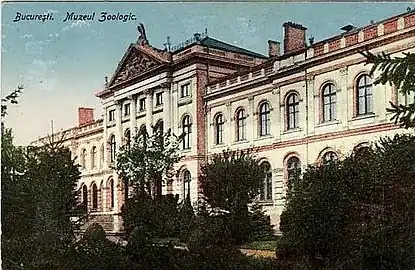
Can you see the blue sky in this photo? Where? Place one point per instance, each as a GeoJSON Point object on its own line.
{"type": "Point", "coordinates": [62, 64]}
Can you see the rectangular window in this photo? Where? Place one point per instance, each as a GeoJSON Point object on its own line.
{"type": "Point", "coordinates": [185, 90]}
{"type": "Point", "coordinates": [159, 99]}
{"type": "Point", "coordinates": [126, 109]}
{"type": "Point", "coordinates": [111, 115]}
{"type": "Point", "coordinates": [142, 104]}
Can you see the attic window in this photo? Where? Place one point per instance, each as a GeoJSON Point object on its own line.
{"type": "Point", "coordinates": [185, 90]}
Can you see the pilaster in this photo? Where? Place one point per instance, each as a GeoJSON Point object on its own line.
{"type": "Point", "coordinates": [149, 110]}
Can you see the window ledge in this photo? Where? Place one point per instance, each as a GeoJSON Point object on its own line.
{"type": "Point", "coordinates": [220, 145]}
{"type": "Point", "coordinates": [240, 142]}
{"type": "Point", "coordinates": [293, 130]}
{"type": "Point", "coordinates": [328, 123]}
{"type": "Point", "coordinates": [264, 137]}
{"type": "Point", "coordinates": [184, 100]}
{"type": "Point", "coordinates": [187, 150]}
{"type": "Point", "coordinates": [364, 116]}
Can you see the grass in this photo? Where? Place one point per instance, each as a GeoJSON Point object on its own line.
{"type": "Point", "coordinates": [261, 245]}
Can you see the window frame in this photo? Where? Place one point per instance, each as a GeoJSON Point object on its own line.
{"type": "Point", "coordinates": [264, 119]}
{"type": "Point", "coordinates": [113, 145]}
{"type": "Point", "coordinates": [367, 97]}
{"type": "Point", "coordinates": [219, 128]}
{"type": "Point", "coordinates": [241, 125]}
{"type": "Point", "coordinates": [187, 130]}
{"type": "Point", "coordinates": [111, 115]}
{"type": "Point", "coordinates": [186, 93]}
{"type": "Point", "coordinates": [142, 104]}
{"type": "Point", "coordinates": [127, 109]}
{"type": "Point", "coordinates": [159, 98]}
{"type": "Point", "coordinates": [331, 95]}
{"type": "Point", "coordinates": [186, 183]}
{"type": "Point", "coordinates": [266, 188]}
{"type": "Point", "coordinates": [292, 111]}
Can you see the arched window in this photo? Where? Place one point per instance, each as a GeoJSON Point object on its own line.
{"type": "Point", "coordinates": [240, 125]}
{"type": "Point", "coordinates": [187, 177]}
{"type": "Point", "coordinates": [330, 156]}
{"type": "Point", "coordinates": [293, 168]}
{"type": "Point", "coordinates": [112, 148]}
{"type": "Point", "coordinates": [127, 138]}
{"type": "Point", "coordinates": [142, 130]}
{"type": "Point", "coordinates": [85, 197]}
{"type": "Point", "coordinates": [266, 190]}
{"type": "Point", "coordinates": [94, 196]}
{"type": "Point", "coordinates": [364, 95]}
{"type": "Point", "coordinates": [111, 193]}
{"type": "Point", "coordinates": [93, 157]}
{"type": "Point", "coordinates": [264, 119]}
{"type": "Point", "coordinates": [158, 128]}
{"type": "Point", "coordinates": [83, 158]}
{"type": "Point", "coordinates": [362, 152]}
{"type": "Point", "coordinates": [329, 102]}
{"type": "Point", "coordinates": [219, 129]}
{"type": "Point", "coordinates": [292, 106]}
{"type": "Point", "coordinates": [187, 131]}
{"type": "Point", "coordinates": [101, 155]}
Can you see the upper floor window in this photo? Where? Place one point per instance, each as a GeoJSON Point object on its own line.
{"type": "Point", "coordinates": [329, 102]}
{"type": "Point", "coordinates": [111, 115]}
{"type": "Point", "coordinates": [159, 99]}
{"type": "Point", "coordinates": [240, 125]}
{"type": "Point", "coordinates": [187, 177]}
{"type": "Point", "coordinates": [142, 104]}
{"type": "Point", "coordinates": [266, 190]}
{"type": "Point", "coordinates": [112, 148]}
{"type": "Point", "coordinates": [187, 131]}
{"type": "Point", "coordinates": [219, 129]}
{"type": "Point", "coordinates": [101, 155]}
{"type": "Point", "coordinates": [83, 158]}
{"type": "Point", "coordinates": [264, 119]}
{"type": "Point", "coordinates": [292, 106]}
{"type": "Point", "coordinates": [93, 157]}
{"type": "Point", "coordinates": [185, 90]}
{"type": "Point", "coordinates": [127, 109]}
{"type": "Point", "coordinates": [364, 95]}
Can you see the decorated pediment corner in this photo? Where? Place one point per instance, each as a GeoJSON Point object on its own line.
{"type": "Point", "coordinates": [138, 59]}
{"type": "Point", "coordinates": [134, 64]}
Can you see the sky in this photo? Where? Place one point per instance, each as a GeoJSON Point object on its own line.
{"type": "Point", "coordinates": [63, 64]}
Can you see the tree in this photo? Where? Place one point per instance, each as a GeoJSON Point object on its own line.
{"type": "Point", "coordinates": [229, 183]}
{"type": "Point", "coordinates": [144, 163]}
{"type": "Point", "coordinates": [356, 213]}
{"type": "Point", "coordinates": [400, 72]}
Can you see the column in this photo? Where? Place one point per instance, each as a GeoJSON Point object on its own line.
{"type": "Point", "coordinates": [227, 136]}
{"type": "Point", "coordinates": [342, 99]}
{"type": "Point", "coordinates": [105, 140]}
{"type": "Point", "coordinates": [252, 114]}
{"type": "Point", "coordinates": [116, 209]}
{"type": "Point", "coordinates": [149, 110]}
{"type": "Point", "coordinates": [133, 116]}
{"type": "Point", "coordinates": [167, 106]}
{"type": "Point", "coordinates": [311, 111]}
{"type": "Point", "coordinates": [119, 135]}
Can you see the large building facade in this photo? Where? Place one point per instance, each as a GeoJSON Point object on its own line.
{"type": "Point", "coordinates": [298, 106]}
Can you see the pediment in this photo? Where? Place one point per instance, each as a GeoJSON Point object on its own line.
{"type": "Point", "coordinates": [134, 63]}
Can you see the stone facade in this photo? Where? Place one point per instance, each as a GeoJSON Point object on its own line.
{"type": "Point", "coordinates": [293, 109]}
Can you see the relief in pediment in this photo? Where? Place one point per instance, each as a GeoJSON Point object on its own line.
{"type": "Point", "coordinates": [135, 64]}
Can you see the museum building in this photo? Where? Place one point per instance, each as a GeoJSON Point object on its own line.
{"type": "Point", "coordinates": [304, 103]}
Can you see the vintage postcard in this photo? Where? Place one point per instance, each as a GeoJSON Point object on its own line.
{"type": "Point", "coordinates": [285, 81]}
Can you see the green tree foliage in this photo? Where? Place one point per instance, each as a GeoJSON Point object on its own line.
{"type": "Point", "coordinates": [356, 213]}
{"type": "Point", "coordinates": [400, 72]}
{"type": "Point", "coordinates": [229, 182]}
{"type": "Point", "coordinates": [260, 225]}
{"type": "Point", "coordinates": [150, 158]}
{"type": "Point", "coordinates": [10, 98]}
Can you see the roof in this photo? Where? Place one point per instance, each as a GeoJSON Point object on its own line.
{"type": "Point", "coordinates": [217, 44]}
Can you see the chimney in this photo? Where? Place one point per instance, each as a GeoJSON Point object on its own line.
{"type": "Point", "coordinates": [85, 116]}
{"type": "Point", "coordinates": [294, 37]}
{"type": "Point", "coordinates": [273, 48]}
